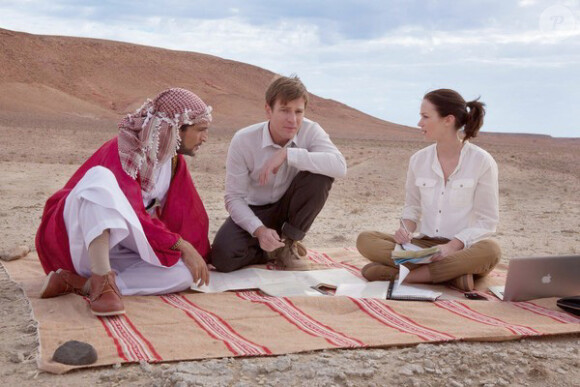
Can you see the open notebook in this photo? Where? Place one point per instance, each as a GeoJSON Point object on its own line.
{"type": "Point", "coordinates": [415, 292]}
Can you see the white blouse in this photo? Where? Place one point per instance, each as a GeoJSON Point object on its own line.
{"type": "Point", "coordinates": [466, 207]}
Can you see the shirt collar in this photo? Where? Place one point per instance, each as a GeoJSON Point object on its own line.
{"type": "Point", "coordinates": [436, 166]}
{"type": "Point", "coordinates": [267, 138]}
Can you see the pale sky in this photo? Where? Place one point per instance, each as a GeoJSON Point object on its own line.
{"type": "Point", "coordinates": [379, 56]}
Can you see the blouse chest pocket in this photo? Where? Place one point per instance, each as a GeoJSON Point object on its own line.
{"type": "Point", "coordinates": [461, 192]}
{"type": "Point", "coordinates": [427, 189]}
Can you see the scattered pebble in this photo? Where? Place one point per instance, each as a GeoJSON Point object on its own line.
{"type": "Point", "coordinates": [15, 253]}
{"type": "Point", "coordinates": [145, 366]}
{"type": "Point", "coordinates": [455, 383]}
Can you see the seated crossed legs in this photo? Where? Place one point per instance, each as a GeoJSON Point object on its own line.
{"type": "Point", "coordinates": [458, 269]}
{"type": "Point", "coordinates": [291, 217]}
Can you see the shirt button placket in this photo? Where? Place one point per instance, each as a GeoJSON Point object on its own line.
{"type": "Point", "coordinates": [438, 216]}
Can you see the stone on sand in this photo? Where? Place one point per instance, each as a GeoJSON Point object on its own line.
{"type": "Point", "coordinates": [75, 353]}
{"type": "Point", "coordinates": [15, 253]}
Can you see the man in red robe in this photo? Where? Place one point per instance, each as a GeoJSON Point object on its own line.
{"type": "Point", "coordinates": [130, 221]}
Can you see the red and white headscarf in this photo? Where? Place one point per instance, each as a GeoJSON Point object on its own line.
{"type": "Point", "coordinates": [151, 134]}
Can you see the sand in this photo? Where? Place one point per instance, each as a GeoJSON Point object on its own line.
{"type": "Point", "coordinates": [539, 208]}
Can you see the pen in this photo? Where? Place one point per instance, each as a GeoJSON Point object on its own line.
{"type": "Point", "coordinates": [404, 227]}
{"type": "Point", "coordinates": [390, 290]}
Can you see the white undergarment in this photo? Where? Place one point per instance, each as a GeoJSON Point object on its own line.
{"type": "Point", "coordinates": [96, 204]}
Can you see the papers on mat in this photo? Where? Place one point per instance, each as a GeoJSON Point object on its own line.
{"type": "Point", "coordinates": [278, 283]}
{"type": "Point", "coordinates": [376, 289]}
{"type": "Point", "coordinates": [410, 253]}
{"type": "Point", "coordinates": [309, 283]}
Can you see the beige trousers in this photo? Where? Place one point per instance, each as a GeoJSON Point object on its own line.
{"type": "Point", "coordinates": [478, 259]}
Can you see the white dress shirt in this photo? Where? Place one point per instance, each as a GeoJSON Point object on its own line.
{"type": "Point", "coordinates": [465, 208]}
{"type": "Point", "coordinates": [157, 196]}
{"type": "Point", "coordinates": [310, 150]}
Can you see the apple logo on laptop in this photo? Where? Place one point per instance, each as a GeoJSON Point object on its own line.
{"type": "Point", "coordinates": [547, 279]}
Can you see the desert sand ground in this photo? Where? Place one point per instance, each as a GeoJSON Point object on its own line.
{"type": "Point", "coordinates": [540, 214]}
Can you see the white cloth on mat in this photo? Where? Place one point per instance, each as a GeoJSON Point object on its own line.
{"type": "Point", "coordinates": [97, 203]}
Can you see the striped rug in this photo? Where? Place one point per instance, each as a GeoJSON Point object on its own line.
{"type": "Point", "coordinates": [190, 326]}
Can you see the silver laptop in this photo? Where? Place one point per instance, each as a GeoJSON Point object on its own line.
{"type": "Point", "coordinates": [539, 277]}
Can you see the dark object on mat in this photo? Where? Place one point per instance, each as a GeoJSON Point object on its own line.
{"type": "Point", "coordinates": [75, 353]}
{"type": "Point", "coordinates": [570, 304]}
{"type": "Point", "coordinates": [474, 296]}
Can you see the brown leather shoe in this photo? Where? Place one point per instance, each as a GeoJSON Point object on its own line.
{"type": "Point", "coordinates": [292, 256]}
{"type": "Point", "coordinates": [105, 298]}
{"type": "Point", "coordinates": [375, 271]}
{"type": "Point", "coordinates": [463, 283]}
{"type": "Point", "coordinates": [60, 282]}
{"type": "Point", "coordinates": [298, 250]}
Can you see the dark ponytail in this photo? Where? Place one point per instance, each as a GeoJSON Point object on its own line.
{"type": "Point", "coordinates": [474, 118]}
{"type": "Point", "coordinates": [467, 114]}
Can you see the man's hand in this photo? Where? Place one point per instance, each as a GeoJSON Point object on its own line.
{"type": "Point", "coordinates": [447, 249]}
{"type": "Point", "coordinates": [269, 239]}
{"type": "Point", "coordinates": [195, 263]}
{"type": "Point", "coordinates": [273, 165]}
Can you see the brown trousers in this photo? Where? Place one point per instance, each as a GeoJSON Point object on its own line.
{"type": "Point", "coordinates": [291, 216]}
{"type": "Point", "coordinates": [478, 259]}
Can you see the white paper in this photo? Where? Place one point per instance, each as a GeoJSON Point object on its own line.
{"type": "Point", "coordinates": [411, 291]}
{"type": "Point", "coordinates": [403, 272]}
{"type": "Point", "coordinates": [414, 292]}
{"type": "Point", "coordinates": [290, 289]}
{"type": "Point", "coordinates": [256, 278]}
{"type": "Point", "coordinates": [375, 289]}
{"type": "Point", "coordinates": [411, 247]}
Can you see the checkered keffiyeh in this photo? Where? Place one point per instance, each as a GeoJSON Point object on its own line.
{"type": "Point", "coordinates": [151, 134]}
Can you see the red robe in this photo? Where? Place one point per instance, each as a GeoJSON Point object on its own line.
{"type": "Point", "coordinates": [183, 214]}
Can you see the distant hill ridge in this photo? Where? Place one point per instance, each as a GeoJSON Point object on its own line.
{"type": "Point", "coordinates": [63, 82]}
{"type": "Point", "coordinates": [55, 76]}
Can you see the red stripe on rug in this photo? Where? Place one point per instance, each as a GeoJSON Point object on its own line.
{"type": "Point", "coordinates": [216, 327]}
{"type": "Point", "coordinates": [463, 310]}
{"type": "Point", "coordinates": [387, 316]}
{"type": "Point", "coordinates": [562, 317]}
{"type": "Point", "coordinates": [130, 343]}
{"type": "Point", "coordinates": [307, 324]}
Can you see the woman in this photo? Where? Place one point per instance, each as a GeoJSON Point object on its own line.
{"type": "Point", "coordinates": [451, 200]}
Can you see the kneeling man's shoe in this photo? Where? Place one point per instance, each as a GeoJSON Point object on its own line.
{"type": "Point", "coordinates": [298, 250]}
{"type": "Point", "coordinates": [292, 256]}
{"type": "Point", "coordinates": [61, 282]}
{"type": "Point", "coordinates": [105, 297]}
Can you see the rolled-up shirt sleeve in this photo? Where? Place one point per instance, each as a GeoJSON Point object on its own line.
{"type": "Point", "coordinates": [319, 155]}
